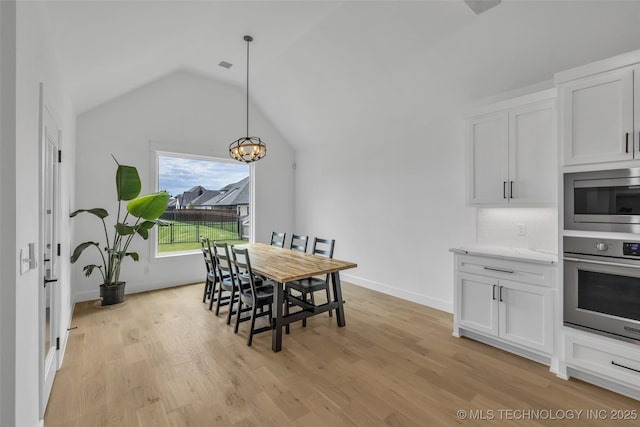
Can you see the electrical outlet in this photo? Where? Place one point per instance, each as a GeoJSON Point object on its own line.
{"type": "Point", "coordinates": [522, 229]}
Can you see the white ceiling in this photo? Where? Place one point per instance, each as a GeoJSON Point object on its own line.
{"type": "Point", "coordinates": [377, 63]}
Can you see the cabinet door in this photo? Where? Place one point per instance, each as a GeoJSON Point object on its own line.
{"type": "Point", "coordinates": [532, 154]}
{"type": "Point", "coordinates": [487, 159]}
{"type": "Point", "coordinates": [597, 116]}
{"type": "Point", "coordinates": [476, 303]}
{"type": "Point", "coordinates": [636, 104]}
{"type": "Point", "coordinates": [526, 315]}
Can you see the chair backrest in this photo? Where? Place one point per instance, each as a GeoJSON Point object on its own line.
{"type": "Point", "coordinates": [277, 239]}
{"type": "Point", "coordinates": [299, 243]}
{"type": "Point", "coordinates": [323, 247]}
{"type": "Point", "coordinates": [242, 265]}
{"type": "Point", "coordinates": [223, 261]}
{"type": "Point", "coordinates": [209, 260]}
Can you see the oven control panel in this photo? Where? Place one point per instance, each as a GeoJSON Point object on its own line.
{"type": "Point", "coordinates": [631, 248]}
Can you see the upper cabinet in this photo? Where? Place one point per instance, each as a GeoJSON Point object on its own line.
{"type": "Point", "coordinates": [599, 107]}
{"type": "Point", "coordinates": [511, 152]}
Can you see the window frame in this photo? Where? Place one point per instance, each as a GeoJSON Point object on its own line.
{"type": "Point", "coordinates": [185, 152]}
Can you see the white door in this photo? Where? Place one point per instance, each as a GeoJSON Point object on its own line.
{"type": "Point", "coordinates": [526, 315]}
{"type": "Point", "coordinates": [487, 158]}
{"type": "Point", "coordinates": [532, 154]}
{"type": "Point", "coordinates": [598, 118]}
{"type": "Point", "coordinates": [477, 306]}
{"type": "Point", "coordinates": [49, 296]}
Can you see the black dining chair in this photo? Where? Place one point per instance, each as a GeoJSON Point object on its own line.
{"type": "Point", "coordinates": [299, 243]}
{"type": "Point", "coordinates": [211, 278]}
{"type": "Point", "coordinates": [277, 239]}
{"type": "Point", "coordinates": [228, 283]}
{"type": "Point", "coordinates": [307, 287]}
{"type": "Point", "coordinates": [252, 296]}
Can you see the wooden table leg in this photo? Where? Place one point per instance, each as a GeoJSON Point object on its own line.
{"type": "Point", "coordinates": [337, 296]}
{"type": "Point", "coordinates": [276, 333]}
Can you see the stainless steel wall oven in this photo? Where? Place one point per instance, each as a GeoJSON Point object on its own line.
{"type": "Point", "coordinates": [603, 200]}
{"type": "Point", "coordinates": [602, 286]}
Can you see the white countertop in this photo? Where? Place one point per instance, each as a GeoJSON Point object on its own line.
{"type": "Point", "coordinates": [516, 254]}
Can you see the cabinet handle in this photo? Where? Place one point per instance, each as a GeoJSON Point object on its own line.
{"type": "Point", "coordinates": [626, 143]}
{"type": "Point", "coordinates": [493, 292]}
{"type": "Point", "coordinates": [625, 367]}
{"type": "Point", "coordinates": [501, 270]}
{"type": "Point", "coordinates": [500, 298]}
{"type": "Point", "coordinates": [511, 189]}
{"type": "Point", "coordinates": [504, 189]}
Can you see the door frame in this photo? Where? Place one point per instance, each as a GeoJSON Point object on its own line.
{"type": "Point", "coordinates": [49, 361]}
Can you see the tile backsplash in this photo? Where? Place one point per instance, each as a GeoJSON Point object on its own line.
{"type": "Point", "coordinates": [529, 228]}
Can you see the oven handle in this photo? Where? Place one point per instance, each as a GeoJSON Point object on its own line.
{"type": "Point", "coordinates": [590, 261]}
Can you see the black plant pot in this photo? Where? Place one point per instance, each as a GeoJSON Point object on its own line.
{"type": "Point", "coordinates": [113, 294]}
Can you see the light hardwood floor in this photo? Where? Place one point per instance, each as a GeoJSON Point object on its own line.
{"type": "Point", "coordinates": [163, 359]}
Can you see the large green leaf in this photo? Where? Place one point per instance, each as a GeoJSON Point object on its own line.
{"type": "Point", "coordinates": [124, 229]}
{"type": "Point", "coordinates": [149, 207]}
{"type": "Point", "coordinates": [99, 212]}
{"type": "Point", "coordinates": [133, 255]}
{"type": "Point", "coordinates": [88, 269]}
{"type": "Point", "coordinates": [143, 228]}
{"type": "Point", "coordinates": [80, 248]}
{"type": "Point", "coordinates": [128, 183]}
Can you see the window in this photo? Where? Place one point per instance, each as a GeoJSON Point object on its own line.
{"type": "Point", "coordinates": [209, 198]}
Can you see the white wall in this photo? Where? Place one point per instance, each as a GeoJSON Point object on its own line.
{"type": "Point", "coordinates": [393, 212]}
{"type": "Point", "coordinates": [385, 171]}
{"type": "Point", "coordinates": [35, 63]}
{"type": "Point", "coordinates": [7, 212]}
{"type": "Point", "coordinates": [182, 111]}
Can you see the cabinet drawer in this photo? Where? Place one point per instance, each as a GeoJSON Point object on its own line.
{"type": "Point", "coordinates": [604, 358]}
{"type": "Point", "coordinates": [536, 274]}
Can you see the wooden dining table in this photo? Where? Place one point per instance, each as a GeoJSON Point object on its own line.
{"type": "Point", "coordinates": [286, 265]}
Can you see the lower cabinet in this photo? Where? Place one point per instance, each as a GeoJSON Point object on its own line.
{"type": "Point", "coordinates": [614, 361]}
{"type": "Point", "coordinates": [511, 311]}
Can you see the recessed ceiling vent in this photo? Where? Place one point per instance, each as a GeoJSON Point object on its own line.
{"type": "Point", "coordinates": [479, 6]}
{"type": "Point", "coordinates": [225, 64]}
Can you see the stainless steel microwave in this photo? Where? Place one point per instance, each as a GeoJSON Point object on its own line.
{"type": "Point", "coordinates": [603, 200]}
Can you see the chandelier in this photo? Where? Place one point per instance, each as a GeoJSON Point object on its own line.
{"type": "Point", "coordinates": [248, 148]}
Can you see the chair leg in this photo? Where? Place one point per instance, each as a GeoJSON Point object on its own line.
{"type": "Point", "coordinates": [207, 285]}
{"type": "Point", "coordinates": [218, 301]}
{"type": "Point", "coordinates": [235, 330]}
{"type": "Point", "coordinates": [329, 301]}
{"type": "Point", "coordinates": [253, 324]}
{"type": "Point", "coordinates": [230, 312]}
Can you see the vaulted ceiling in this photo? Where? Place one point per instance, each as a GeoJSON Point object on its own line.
{"type": "Point", "coordinates": [316, 63]}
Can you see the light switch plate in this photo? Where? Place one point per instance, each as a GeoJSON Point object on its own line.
{"type": "Point", "coordinates": [24, 259]}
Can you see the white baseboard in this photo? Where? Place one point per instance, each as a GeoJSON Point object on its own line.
{"type": "Point", "coordinates": [94, 294]}
{"type": "Point", "coordinates": [400, 293]}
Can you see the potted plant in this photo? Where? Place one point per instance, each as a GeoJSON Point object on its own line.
{"type": "Point", "coordinates": [141, 215]}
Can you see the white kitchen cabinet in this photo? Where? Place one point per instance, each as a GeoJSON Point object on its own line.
{"type": "Point", "coordinates": [511, 152]}
{"type": "Point", "coordinates": [616, 363]}
{"type": "Point", "coordinates": [599, 111]}
{"type": "Point", "coordinates": [477, 306]}
{"type": "Point", "coordinates": [525, 313]}
{"type": "Point", "coordinates": [487, 153]}
{"type": "Point", "coordinates": [509, 302]}
{"type": "Point", "coordinates": [598, 118]}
